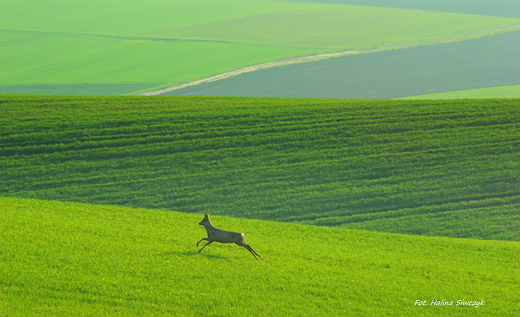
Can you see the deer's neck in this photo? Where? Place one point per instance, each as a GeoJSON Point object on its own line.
{"type": "Point", "coordinates": [208, 227]}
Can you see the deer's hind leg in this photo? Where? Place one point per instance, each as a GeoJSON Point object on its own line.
{"type": "Point", "coordinates": [253, 252]}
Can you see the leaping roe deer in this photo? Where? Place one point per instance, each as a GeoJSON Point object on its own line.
{"type": "Point", "coordinates": [217, 235]}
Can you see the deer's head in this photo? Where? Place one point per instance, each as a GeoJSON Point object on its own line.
{"type": "Point", "coordinates": [205, 220]}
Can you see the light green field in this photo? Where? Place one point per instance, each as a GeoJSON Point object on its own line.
{"type": "Point", "coordinates": [491, 92]}
{"type": "Point", "coordinates": [128, 46]}
{"type": "Point", "coordinates": [100, 60]}
{"type": "Point", "coordinates": [68, 259]}
{"type": "Point", "coordinates": [338, 27]}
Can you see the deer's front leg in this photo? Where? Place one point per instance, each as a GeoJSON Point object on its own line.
{"type": "Point", "coordinates": [203, 239]}
{"type": "Point", "coordinates": [210, 242]}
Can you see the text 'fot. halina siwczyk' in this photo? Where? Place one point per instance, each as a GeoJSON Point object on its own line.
{"type": "Point", "coordinates": [444, 302]}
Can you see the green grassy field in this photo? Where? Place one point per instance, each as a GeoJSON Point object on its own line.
{"type": "Point", "coordinates": [491, 92]}
{"type": "Point", "coordinates": [99, 65]}
{"type": "Point", "coordinates": [446, 167]}
{"type": "Point", "coordinates": [124, 47]}
{"type": "Point", "coordinates": [338, 27]}
{"type": "Point", "coordinates": [69, 259]}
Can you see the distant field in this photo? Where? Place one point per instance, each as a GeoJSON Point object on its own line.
{"type": "Point", "coordinates": [492, 92]}
{"type": "Point", "coordinates": [446, 167]}
{"type": "Point", "coordinates": [338, 27]}
{"type": "Point", "coordinates": [124, 47]}
{"type": "Point", "coordinates": [101, 65]}
{"type": "Point", "coordinates": [485, 62]}
{"type": "Point", "coordinates": [69, 259]}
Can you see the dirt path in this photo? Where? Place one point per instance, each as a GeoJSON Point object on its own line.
{"type": "Point", "coordinates": [309, 58]}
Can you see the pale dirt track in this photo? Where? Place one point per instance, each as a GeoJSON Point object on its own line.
{"type": "Point", "coordinates": [309, 58]}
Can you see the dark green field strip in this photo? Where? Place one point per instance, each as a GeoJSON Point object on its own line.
{"type": "Point", "coordinates": [207, 157]}
{"type": "Point", "coordinates": [326, 162]}
{"type": "Point", "coordinates": [134, 133]}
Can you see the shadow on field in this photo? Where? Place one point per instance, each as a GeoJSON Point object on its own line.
{"type": "Point", "coordinates": [194, 253]}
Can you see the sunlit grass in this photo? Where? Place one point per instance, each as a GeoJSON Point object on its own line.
{"type": "Point", "coordinates": [73, 259]}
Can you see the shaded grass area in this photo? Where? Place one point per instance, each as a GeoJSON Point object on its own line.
{"type": "Point", "coordinates": [373, 164]}
{"type": "Point", "coordinates": [72, 259]}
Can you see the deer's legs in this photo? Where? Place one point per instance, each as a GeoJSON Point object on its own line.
{"type": "Point", "coordinates": [209, 242]}
{"type": "Point", "coordinates": [203, 239]}
{"type": "Point", "coordinates": [253, 252]}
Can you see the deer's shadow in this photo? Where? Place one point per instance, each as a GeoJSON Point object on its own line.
{"type": "Point", "coordinates": [194, 253]}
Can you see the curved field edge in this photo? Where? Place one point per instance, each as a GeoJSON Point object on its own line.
{"type": "Point", "coordinates": [72, 259]}
{"type": "Point", "coordinates": [385, 75]}
{"type": "Point", "coordinates": [383, 164]}
{"type": "Point", "coordinates": [490, 92]}
{"type": "Point", "coordinates": [318, 57]}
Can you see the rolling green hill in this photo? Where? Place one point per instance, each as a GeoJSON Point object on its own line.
{"type": "Point", "coordinates": [70, 259]}
{"type": "Point", "coordinates": [129, 46]}
{"type": "Point", "coordinates": [446, 167]}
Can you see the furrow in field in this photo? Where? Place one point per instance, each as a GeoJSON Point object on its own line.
{"type": "Point", "coordinates": [119, 37]}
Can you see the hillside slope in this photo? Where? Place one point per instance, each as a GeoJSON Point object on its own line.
{"type": "Point", "coordinates": [72, 259]}
{"type": "Point", "coordinates": [448, 167]}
